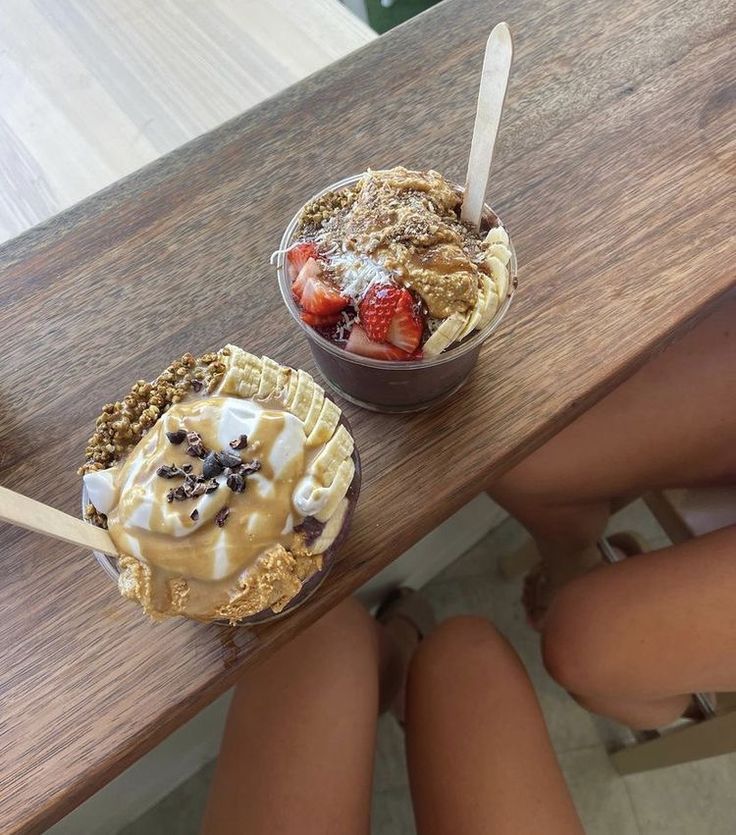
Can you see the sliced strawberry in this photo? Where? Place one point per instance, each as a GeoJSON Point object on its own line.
{"type": "Point", "coordinates": [320, 297]}
{"type": "Point", "coordinates": [317, 321]}
{"type": "Point", "coordinates": [406, 327]}
{"type": "Point", "coordinates": [377, 309]}
{"type": "Point", "coordinates": [310, 269]}
{"type": "Point", "coordinates": [360, 343]}
{"type": "Point", "coordinates": [298, 256]}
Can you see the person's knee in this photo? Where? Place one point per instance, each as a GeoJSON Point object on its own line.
{"type": "Point", "coordinates": [575, 649]}
{"type": "Point", "coordinates": [463, 642]}
{"type": "Point", "coordinates": [517, 486]}
{"type": "Point", "coordinates": [348, 632]}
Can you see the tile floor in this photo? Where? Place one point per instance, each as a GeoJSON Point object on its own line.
{"type": "Point", "coordinates": [693, 799]}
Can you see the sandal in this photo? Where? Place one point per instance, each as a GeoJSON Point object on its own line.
{"type": "Point", "coordinates": [413, 608]}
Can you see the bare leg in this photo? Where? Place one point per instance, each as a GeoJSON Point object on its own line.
{"type": "Point", "coordinates": [671, 424]}
{"type": "Point", "coordinates": [480, 759]}
{"type": "Point", "coordinates": [297, 754]}
{"type": "Point", "coordinates": [632, 640]}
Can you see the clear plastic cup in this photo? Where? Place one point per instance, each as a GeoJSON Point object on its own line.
{"type": "Point", "coordinates": [110, 564]}
{"type": "Point", "coordinates": [383, 385]}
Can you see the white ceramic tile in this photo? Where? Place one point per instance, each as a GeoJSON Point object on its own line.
{"type": "Point", "coordinates": [390, 765]}
{"type": "Point", "coordinates": [600, 795]}
{"type": "Point", "coordinates": [392, 813]}
{"type": "Point", "coordinates": [692, 799]}
{"type": "Point", "coordinates": [463, 596]}
{"type": "Point", "coordinates": [482, 558]}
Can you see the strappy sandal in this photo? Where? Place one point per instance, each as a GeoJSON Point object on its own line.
{"type": "Point", "coordinates": [413, 608]}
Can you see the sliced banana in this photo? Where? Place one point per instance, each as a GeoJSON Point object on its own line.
{"type": "Point", "coordinates": [332, 528]}
{"type": "Point", "coordinates": [243, 375]}
{"type": "Point", "coordinates": [329, 417]}
{"type": "Point", "coordinates": [291, 387]}
{"type": "Point", "coordinates": [497, 235]}
{"type": "Point", "coordinates": [500, 251]}
{"type": "Point", "coordinates": [473, 319]}
{"type": "Point", "coordinates": [445, 334]}
{"type": "Point", "coordinates": [269, 378]}
{"type": "Point", "coordinates": [499, 274]}
{"type": "Point", "coordinates": [303, 393]}
{"type": "Point", "coordinates": [284, 379]}
{"type": "Point", "coordinates": [318, 398]}
{"type": "Point", "coordinates": [491, 306]}
{"type": "Point", "coordinates": [335, 451]}
{"type": "Point", "coordinates": [335, 493]}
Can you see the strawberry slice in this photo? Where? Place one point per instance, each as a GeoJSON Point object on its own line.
{"type": "Point", "coordinates": [317, 321]}
{"type": "Point", "coordinates": [320, 297]}
{"type": "Point", "coordinates": [360, 343]}
{"type": "Point", "coordinates": [298, 256]}
{"type": "Point", "coordinates": [310, 269]}
{"type": "Point", "coordinates": [377, 309]}
{"type": "Point", "coordinates": [406, 326]}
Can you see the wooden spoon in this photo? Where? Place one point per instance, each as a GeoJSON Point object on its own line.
{"type": "Point", "coordinates": [36, 516]}
{"type": "Point", "coordinates": [493, 82]}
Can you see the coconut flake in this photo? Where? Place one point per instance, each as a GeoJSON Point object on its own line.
{"type": "Point", "coordinates": [356, 274]}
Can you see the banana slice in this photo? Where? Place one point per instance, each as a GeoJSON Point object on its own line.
{"type": "Point", "coordinates": [329, 417]}
{"type": "Point", "coordinates": [285, 375]}
{"type": "Point", "coordinates": [318, 398]}
{"type": "Point", "coordinates": [499, 274]}
{"type": "Point", "coordinates": [491, 306]}
{"type": "Point", "coordinates": [302, 399]}
{"type": "Point", "coordinates": [445, 334]}
{"type": "Point", "coordinates": [335, 493]}
{"type": "Point", "coordinates": [291, 387]}
{"type": "Point", "coordinates": [500, 251]}
{"type": "Point", "coordinates": [243, 375]}
{"type": "Point", "coordinates": [269, 378]}
{"type": "Point", "coordinates": [497, 235]}
{"type": "Point", "coordinates": [474, 317]}
{"type": "Point", "coordinates": [326, 464]}
{"type": "Point", "coordinates": [331, 529]}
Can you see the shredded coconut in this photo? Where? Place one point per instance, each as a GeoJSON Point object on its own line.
{"type": "Point", "coordinates": [357, 273]}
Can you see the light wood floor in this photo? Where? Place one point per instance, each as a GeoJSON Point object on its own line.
{"type": "Point", "coordinates": [90, 90]}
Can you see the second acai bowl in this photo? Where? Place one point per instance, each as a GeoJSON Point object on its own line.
{"type": "Point", "coordinates": [395, 294]}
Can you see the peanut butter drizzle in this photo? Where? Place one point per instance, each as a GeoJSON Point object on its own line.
{"type": "Point", "coordinates": [407, 221]}
{"type": "Point", "coordinates": [209, 557]}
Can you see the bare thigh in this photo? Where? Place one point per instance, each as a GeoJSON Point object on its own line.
{"type": "Point", "coordinates": [480, 758]}
{"type": "Point", "coordinates": [297, 753]}
{"type": "Point", "coordinates": [673, 423]}
{"type": "Point", "coordinates": [651, 627]}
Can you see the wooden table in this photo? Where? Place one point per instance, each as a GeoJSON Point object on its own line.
{"type": "Point", "coordinates": [615, 175]}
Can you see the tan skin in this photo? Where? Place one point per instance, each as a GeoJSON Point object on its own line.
{"type": "Point", "coordinates": [634, 640]}
{"type": "Point", "coordinates": [297, 753]}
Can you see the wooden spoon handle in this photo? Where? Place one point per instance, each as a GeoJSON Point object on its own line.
{"type": "Point", "coordinates": [36, 516]}
{"type": "Point", "coordinates": [493, 82]}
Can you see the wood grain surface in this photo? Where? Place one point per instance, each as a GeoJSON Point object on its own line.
{"type": "Point", "coordinates": [90, 90]}
{"type": "Point", "coordinates": [615, 174]}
